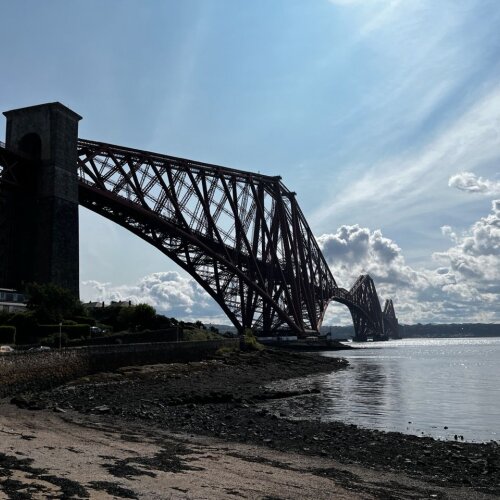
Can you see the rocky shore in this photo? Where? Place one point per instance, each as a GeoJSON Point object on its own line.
{"type": "Point", "coordinates": [225, 397]}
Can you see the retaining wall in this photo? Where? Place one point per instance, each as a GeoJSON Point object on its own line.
{"type": "Point", "coordinates": [35, 371]}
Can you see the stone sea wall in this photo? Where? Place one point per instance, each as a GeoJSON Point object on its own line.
{"type": "Point", "coordinates": [35, 371]}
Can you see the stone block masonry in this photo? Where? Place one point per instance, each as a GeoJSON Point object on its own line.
{"type": "Point", "coordinates": [42, 225]}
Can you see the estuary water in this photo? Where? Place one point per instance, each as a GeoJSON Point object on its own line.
{"type": "Point", "coordinates": [432, 387]}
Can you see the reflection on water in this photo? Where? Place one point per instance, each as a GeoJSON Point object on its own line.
{"type": "Point", "coordinates": [438, 387]}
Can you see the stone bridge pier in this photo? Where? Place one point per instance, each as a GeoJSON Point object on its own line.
{"type": "Point", "coordinates": [42, 212]}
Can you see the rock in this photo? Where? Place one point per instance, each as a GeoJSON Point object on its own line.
{"type": "Point", "coordinates": [102, 409]}
{"type": "Point", "coordinates": [37, 405]}
{"type": "Point", "coordinates": [20, 401]}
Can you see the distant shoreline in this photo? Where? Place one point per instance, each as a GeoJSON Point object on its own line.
{"type": "Point", "coordinates": [431, 330]}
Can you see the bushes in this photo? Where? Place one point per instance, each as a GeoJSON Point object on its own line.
{"type": "Point", "coordinates": [146, 336]}
{"type": "Point", "coordinates": [84, 320]}
{"type": "Point", "coordinates": [28, 331]}
{"type": "Point", "coordinates": [193, 334]}
{"type": "Point", "coordinates": [7, 335]}
{"type": "Point", "coordinates": [26, 327]}
{"type": "Point", "coordinates": [249, 341]}
{"type": "Point", "coordinates": [52, 303]}
{"type": "Point", "coordinates": [53, 340]}
{"type": "Point", "coordinates": [71, 331]}
{"type": "Point", "coordinates": [226, 351]}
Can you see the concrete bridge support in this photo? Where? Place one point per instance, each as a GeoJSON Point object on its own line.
{"type": "Point", "coordinates": [42, 243]}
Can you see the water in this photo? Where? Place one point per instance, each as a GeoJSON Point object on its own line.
{"type": "Point", "coordinates": [417, 386]}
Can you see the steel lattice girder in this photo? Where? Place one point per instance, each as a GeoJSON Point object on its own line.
{"type": "Point", "coordinates": [391, 324]}
{"type": "Point", "coordinates": [365, 309]}
{"type": "Point", "coordinates": [242, 236]}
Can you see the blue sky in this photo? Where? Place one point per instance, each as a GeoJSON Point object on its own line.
{"type": "Point", "coordinates": [367, 108]}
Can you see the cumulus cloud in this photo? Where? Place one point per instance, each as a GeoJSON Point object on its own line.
{"type": "Point", "coordinates": [354, 250]}
{"type": "Point", "coordinates": [168, 292]}
{"type": "Point", "coordinates": [476, 254]}
{"type": "Point", "coordinates": [464, 288]}
{"type": "Point", "coordinates": [469, 182]}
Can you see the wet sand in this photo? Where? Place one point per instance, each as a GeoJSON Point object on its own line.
{"type": "Point", "coordinates": [198, 430]}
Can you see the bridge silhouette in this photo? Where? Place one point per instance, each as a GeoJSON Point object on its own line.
{"type": "Point", "coordinates": [241, 235]}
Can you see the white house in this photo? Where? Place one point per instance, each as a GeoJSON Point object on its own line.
{"type": "Point", "coordinates": [11, 301]}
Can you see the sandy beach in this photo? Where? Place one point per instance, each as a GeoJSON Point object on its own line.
{"type": "Point", "coordinates": [198, 431]}
{"type": "Point", "coordinates": [52, 455]}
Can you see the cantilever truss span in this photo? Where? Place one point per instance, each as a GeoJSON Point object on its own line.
{"type": "Point", "coordinates": [240, 235]}
{"type": "Point", "coordinates": [364, 306]}
{"type": "Point", "coordinates": [391, 324]}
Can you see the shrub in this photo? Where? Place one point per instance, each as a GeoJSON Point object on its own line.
{"type": "Point", "coordinates": [249, 341]}
{"type": "Point", "coordinates": [84, 320]}
{"type": "Point", "coordinates": [7, 335]}
{"type": "Point", "coordinates": [51, 303]}
{"type": "Point", "coordinates": [195, 334]}
{"type": "Point", "coordinates": [53, 340]}
{"type": "Point", "coordinates": [226, 351]}
{"type": "Point", "coordinates": [26, 327]}
{"type": "Point", "coordinates": [71, 331]}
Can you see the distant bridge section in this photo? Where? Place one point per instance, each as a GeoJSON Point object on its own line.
{"type": "Point", "coordinates": [370, 322]}
{"type": "Point", "coordinates": [242, 236]}
{"type": "Point", "coordinates": [391, 324]}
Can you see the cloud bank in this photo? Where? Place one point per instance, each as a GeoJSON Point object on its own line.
{"type": "Point", "coordinates": [169, 293]}
{"type": "Point", "coordinates": [464, 286]}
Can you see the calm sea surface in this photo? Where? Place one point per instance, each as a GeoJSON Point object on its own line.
{"type": "Point", "coordinates": [432, 387]}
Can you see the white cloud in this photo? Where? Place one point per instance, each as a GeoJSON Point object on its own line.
{"type": "Point", "coordinates": [476, 254]}
{"type": "Point", "coordinates": [448, 232]}
{"type": "Point", "coordinates": [465, 288]}
{"type": "Point", "coordinates": [354, 250]}
{"type": "Point", "coordinates": [168, 292]}
{"type": "Point", "coordinates": [469, 182]}
{"type": "Point", "coordinates": [406, 185]}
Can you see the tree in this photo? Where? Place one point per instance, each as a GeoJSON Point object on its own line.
{"type": "Point", "coordinates": [137, 317]}
{"type": "Point", "coordinates": [144, 316]}
{"type": "Point", "coordinates": [51, 303]}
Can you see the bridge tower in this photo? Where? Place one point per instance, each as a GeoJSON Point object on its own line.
{"type": "Point", "coordinates": [41, 214]}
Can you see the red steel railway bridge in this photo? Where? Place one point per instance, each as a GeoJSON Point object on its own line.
{"type": "Point", "coordinates": [241, 235]}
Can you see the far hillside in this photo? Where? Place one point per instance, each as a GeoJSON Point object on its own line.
{"type": "Point", "coordinates": [427, 331]}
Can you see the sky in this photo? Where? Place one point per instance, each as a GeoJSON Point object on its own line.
{"type": "Point", "coordinates": [383, 116]}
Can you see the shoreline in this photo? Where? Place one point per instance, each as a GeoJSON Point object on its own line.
{"type": "Point", "coordinates": [221, 400]}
